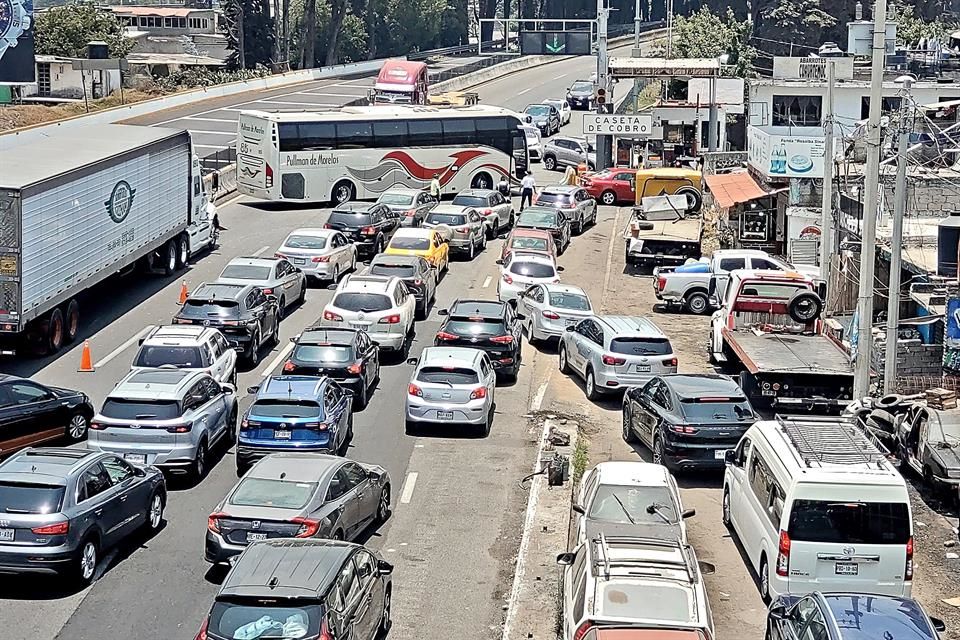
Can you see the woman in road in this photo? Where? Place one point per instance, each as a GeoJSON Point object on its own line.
{"type": "Point", "coordinates": [570, 176]}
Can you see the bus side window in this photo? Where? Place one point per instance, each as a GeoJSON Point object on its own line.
{"type": "Point", "coordinates": [354, 135]}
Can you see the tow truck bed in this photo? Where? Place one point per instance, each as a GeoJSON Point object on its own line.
{"type": "Point", "coordinates": [788, 353]}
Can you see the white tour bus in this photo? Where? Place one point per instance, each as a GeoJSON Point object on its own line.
{"type": "Point", "coordinates": [360, 152]}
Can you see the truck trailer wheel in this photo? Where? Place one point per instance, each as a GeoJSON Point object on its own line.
{"type": "Point", "coordinates": [169, 255]}
{"type": "Point", "coordinates": [183, 252]}
{"type": "Point", "coordinates": [55, 332]}
{"type": "Point", "coordinates": [72, 321]}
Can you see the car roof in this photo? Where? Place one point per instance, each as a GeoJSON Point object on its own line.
{"type": "Point", "coordinates": [450, 208]}
{"type": "Point", "coordinates": [641, 474]}
{"type": "Point", "coordinates": [373, 284]}
{"type": "Point", "coordinates": [696, 385]}
{"type": "Point", "coordinates": [401, 190]}
{"type": "Point", "coordinates": [156, 384]}
{"type": "Point", "coordinates": [44, 465]}
{"type": "Point", "coordinates": [450, 356]}
{"type": "Point", "coordinates": [563, 288]}
{"type": "Point", "coordinates": [540, 208]}
{"type": "Point", "coordinates": [481, 308]}
{"type": "Point", "coordinates": [296, 467]}
{"type": "Point", "coordinates": [561, 188]}
{"type": "Point", "coordinates": [178, 334]}
{"type": "Point", "coordinates": [625, 326]}
{"type": "Point", "coordinates": [392, 258]}
{"type": "Point", "coordinates": [476, 192]}
{"type": "Point", "coordinates": [531, 233]}
{"type": "Point", "coordinates": [355, 207]}
{"type": "Point", "coordinates": [414, 232]}
{"type": "Point", "coordinates": [519, 255]}
{"type": "Point", "coordinates": [253, 261]}
{"type": "Point", "coordinates": [292, 387]}
{"type": "Point", "coordinates": [771, 275]}
{"type": "Point", "coordinates": [286, 567]}
{"type": "Point", "coordinates": [879, 616]}
{"type": "Point", "coordinates": [220, 291]}
{"type": "Point", "coordinates": [313, 231]}
{"type": "Point", "coordinates": [328, 335]}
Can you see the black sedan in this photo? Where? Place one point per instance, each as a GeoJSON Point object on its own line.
{"type": "Point", "coordinates": [348, 356]}
{"type": "Point", "coordinates": [489, 325]}
{"type": "Point", "coordinates": [416, 273]}
{"type": "Point", "coordinates": [33, 414]}
{"type": "Point", "coordinates": [547, 219]}
{"type": "Point", "coordinates": [688, 421]}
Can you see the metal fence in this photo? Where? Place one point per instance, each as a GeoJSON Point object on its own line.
{"type": "Point", "coordinates": [217, 161]}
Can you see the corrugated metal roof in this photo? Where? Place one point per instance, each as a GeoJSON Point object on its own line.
{"type": "Point", "coordinates": [166, 12]}
{"type": "Point", "coordinates": [729, 189]}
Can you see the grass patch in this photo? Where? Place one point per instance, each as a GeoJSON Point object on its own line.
{"type": "Point", "coordinates": [580, 457]}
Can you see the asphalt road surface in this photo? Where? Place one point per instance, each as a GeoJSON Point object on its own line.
{"type": "Point", "coordinates": [457, 505]}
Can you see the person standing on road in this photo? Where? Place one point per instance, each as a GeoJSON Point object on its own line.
{"type": "Point", "coordinates": [435, 186]}
{"type": "Point", "coordinates": [570, 176]}
{"type": "Point", "coordinates": [528, 189]}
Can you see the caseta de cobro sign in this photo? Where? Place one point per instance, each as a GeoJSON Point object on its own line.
{"type": "Point", "coordinates": [786, 155]}
{"type": "Point", "coordinates": [16, 42]}
{"type": "Point", "coordinates": [615, 125]}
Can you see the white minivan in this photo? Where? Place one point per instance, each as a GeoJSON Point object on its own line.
{"type": "Point", "coordinates": [818, 508]}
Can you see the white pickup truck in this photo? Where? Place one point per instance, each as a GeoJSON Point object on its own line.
{"type": "Point", "coordinates": [687, 288]}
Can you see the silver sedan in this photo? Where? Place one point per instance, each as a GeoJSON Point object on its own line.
{"type": "Point", "coordinates": [275, 276]}
{"type": "Point", "coordinates": [550, 308]}
{"type": "Point", "coordinates": [324, 254]}
{"type": "Point", "coordinates": [298, 495]}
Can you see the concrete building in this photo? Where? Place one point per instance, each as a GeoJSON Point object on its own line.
{"type": "Point", "coordinates": [57, 80]}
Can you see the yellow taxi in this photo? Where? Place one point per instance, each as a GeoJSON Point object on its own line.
{"type": "Point", "coordinates": [429, 244]}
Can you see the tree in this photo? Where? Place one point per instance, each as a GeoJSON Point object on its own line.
{"type": "Point", "coordinates": [66, 30]}
{"type": "Point", "coordinates": [798, 21]}
{"type": "Point", "coordinates": [705, 34]}
{"type": "Point", "coordinates": [911, 28]}
{"type": "Point", "coordinates": [258, 34]}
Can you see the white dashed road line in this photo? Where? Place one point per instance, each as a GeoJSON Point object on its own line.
{"type": "Point", "coordinates": [486, 282]}
{"type": "Point", "coordinates": [276, 361]}
{"type": "Point", "coordinates": [126, 345]}
{"type": "Point", "coordinates": [260, 251]}
{"type": "Point", "coordinates": [408, 485]}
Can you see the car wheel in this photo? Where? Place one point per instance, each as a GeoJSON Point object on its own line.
{"type": "Point", "coordinates": [230, 437]}
{"type": "Point", "coordinates": [562, 357]}
{"type": "Point", "coordinates": [472, 250]}
{"type": "Point", "coordinates": [410, 428]}
{"type": "Point", "coordinates": [303, 293]}
{"type": "Point", "coordinates": [199, 468]}
{"type": "Point", "coordinates": [697, 303]}
{"type": "Point", "coordinates": [725, 509]}
{"type": "Point", "coordinates": [628, 435]}
{"type": "Point", "coordinates": [592, 392]}
{"type": "Point", "coordinates": [421, 311]}
{"type": "Point", "coordinates": [275, 336]}
{"type": "Point", "coordinates": [764, 581]}
{"type": "Point", "coordinates": [336, 274]}
{"type": "Point", "coordinates": [385, 622]}
{"type": "Point", "coordinates": [380, 245]}
{"type": "Point", "coordinates": [492, 231]}
{"type": "Point", "coordinates": [484, 429]}
{"type": "Point", "coordinates": [253, 350]}
{"type": "Point", "coordinates": [282, 309]}
{"type": "Point", "coordinates": [77, 427]}
{"type": "Point", "coordinates": [549, 163]}
{"type": "Point", "coordinates": [85, 562]}
{"type": "Point", "coordinates": [608, 198]}
{"type": "Point", "coordinates": [155, 511]}
{"type": "Point", "coordinates": [658, 450]}
{"type": "Point", "coordinates": [383, 505]}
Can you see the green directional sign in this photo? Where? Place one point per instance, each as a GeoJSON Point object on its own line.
{"type": "Point", "coordinates": [555, 43]}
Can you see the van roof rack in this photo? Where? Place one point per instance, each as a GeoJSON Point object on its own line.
{"type": "Point", "coordinates": [826, 440]}
{"type": "Point", "coordinates": [605, 563]}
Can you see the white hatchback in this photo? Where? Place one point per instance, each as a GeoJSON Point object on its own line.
{"type": "Point", "coordinates": [523, 269]}
{"type": "Point", "coordinates": [551, 308]}
{"type": "Point", "coordinates": [381, 306]}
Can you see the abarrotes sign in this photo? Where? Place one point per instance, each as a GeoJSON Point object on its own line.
{"type": "Point", "coordinates": [618, 125]}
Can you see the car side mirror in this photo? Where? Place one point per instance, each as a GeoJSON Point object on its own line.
{"type": "Point", "coordinates": [688, 513]}
{"type": "Point", "coordinates": [254, 389]}
{"type": "Point", "coordinates": [565, 559]}
{"type": "Point", "coordinates": [730, 456]}
{"type": "Point", "coordinates": [332, 286]}
{"type": "Point", "coordinates": [295, 339]}
{"type": "Point", "coordinates": [384, 568]}
{"type": "Point", "coordinates": [443, 312]}
{"type": "Point", "coordinates": [228, 388]}
{"type": "Point", "coordinates": [560, 269]}
{"type": "Point", "coordinates": [777, 611]}
{"type": "Point", "coordinates": [938, 624]}
{"type": "Point", "coordinates": [578, 508]}
{"type": "Point", "coordinates": [412, 361]}
{"type": "Point", "coordinates": [139, 472]}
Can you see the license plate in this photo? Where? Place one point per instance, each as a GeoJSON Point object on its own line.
{"type": "Point", "coordinates": [139, 458]}
{"type": "Point", "coordinates": [570, 323]}
{"type": "Point", "coordinates": [643, 368]}
{"type": "Point", "coordinates": [720, 454]}
{"type": "Point", "coordinates": [299, 261]}
{"type": "Point", "coordinates": [444, 415]}
{"type": "Point", "coordinates": [847, 568]}
{"type": "Point", "coordinates": [359, 325]}
{"type": "Point", "coordinates": [6, 535]}
{"type": "Point", "coordinates": [255, 537]}
{"type": "Point", "coordinates": [283, 434]}
{"type": "Point", "coordinates": [768, 392]}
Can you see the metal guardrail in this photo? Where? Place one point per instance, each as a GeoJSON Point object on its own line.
{"type": "Point", "coordinates": [217, 161]}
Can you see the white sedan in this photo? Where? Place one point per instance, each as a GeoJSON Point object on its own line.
{"type": "Point", "coordinates": [550, 308]}
{"type": "Point", "coordinates": [563, 107]}
{"type": "Point", "coordinates": [523, 269]}
{"type": "Point", "coordinates": [324, 254]}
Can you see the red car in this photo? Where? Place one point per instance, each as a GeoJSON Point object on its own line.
{"type": "Point", "coordinates": [612, 186]}
{"type": "Point", "coordinates": [529, 240]}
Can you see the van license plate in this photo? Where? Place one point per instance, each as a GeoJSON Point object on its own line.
{"type": "Point", "coordinates": [6, 535]}
{"type": "Point", "coordinates": [255, 537]}
{"type": "Point", "coordinates": [643, 368]}
{"type": "Point", "coordinates": [847, 568]}
{"type": "Point", "coordinates": [444, 415]}
{"type": "Point", "coordinates": [283, 434]}
{"type": "Point", "coordinates": [137, 458]}
{"type": "Point", "coordinates": [768, 392]}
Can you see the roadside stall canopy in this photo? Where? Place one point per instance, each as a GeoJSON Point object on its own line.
{"type": "Point", "coordinates": [729, 189]}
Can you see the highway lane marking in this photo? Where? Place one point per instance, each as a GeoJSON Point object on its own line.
{"type": "Point", "coordinates": [561, 76]}
{"type": "Point", "coordinates": [331, 95]}
{"type": "Point", "coordinates": [538, 396]}
{"type": "Point", "coordinates": [606, 274]}
{"type": "Point", "coordinates": [408, 485]}
{"type": "Point", "coordinates": [486, 282]}
{"type": "Point", "coordinates": [126, 345]}
{"type": "Point", "coordinates": [520, 93]}
{"type": "Point", "coordinates": [276, 361]}
{"type": "Point", "coordinates": [260, 251]}
{"type": "Point", "coordinates": [299, 104]}
{"type": "Point", "coordinates": [209, 119]}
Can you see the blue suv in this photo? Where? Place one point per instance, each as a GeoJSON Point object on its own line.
{"type": "Point", "coordinates": [295, 413]}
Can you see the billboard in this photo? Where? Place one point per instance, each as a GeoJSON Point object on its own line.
{"type": "Point", "coordinates": [16, 42]}
{"type": "Point", "coordinates": [787, 153]}
{"type": "Point", "coordinates": [553, 43]}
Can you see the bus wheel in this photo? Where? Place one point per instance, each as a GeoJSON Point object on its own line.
{"type": "Point", "coordinates": [343, 192]}
{"type": "Point", "coordinates": [482, 181]}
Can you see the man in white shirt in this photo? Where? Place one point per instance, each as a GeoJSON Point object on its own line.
{"type": "Point", "coordinates": [528, 188]}
{"type": "Point", "coordinates": [435, 189]}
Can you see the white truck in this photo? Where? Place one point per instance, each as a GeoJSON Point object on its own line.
{"type": "Point", "coordinates": [82, 205]}
{"type": "Point", "coordinates": [686, 287]}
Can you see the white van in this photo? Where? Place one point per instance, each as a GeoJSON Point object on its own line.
{"type": "Point", "coordinates": [818, 508]}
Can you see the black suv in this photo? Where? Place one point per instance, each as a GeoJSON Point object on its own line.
{"type": "Point", "coordinates": [245, 315]}
{"type": "Point", "coordinates": [488, 325]}
{"type": "Point", "coordinates": [688, 421]}
{"type": "Point", "coordinates": [348, 356]}
{"type": "Point", "coordinates": [416, 273]}
{"type": "Point", "coordinates": [369, 225]}
{"type": "Point", "coordinates": [310, 588]}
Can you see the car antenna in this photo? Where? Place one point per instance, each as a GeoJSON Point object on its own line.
{"type": "Point", "coordinates": [283, 474]}
{"type": "Point", "coordinates": [289, 390]}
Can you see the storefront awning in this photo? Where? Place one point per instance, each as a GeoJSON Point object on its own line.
{"type": "Point", "coordinates": [729, 189]}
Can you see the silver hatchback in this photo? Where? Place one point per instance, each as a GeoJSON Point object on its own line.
{"type": "Point", "coordinates": [463, 227]}
{"type": "Point", "coordinates": [451, 385]}
{"type": "Point", "coordinates": [612, 353]}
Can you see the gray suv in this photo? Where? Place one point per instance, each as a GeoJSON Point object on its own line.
{"type": "Point", "coordinates": [560, 152]}
{"type": "Point", "coordinates": [169, 418]}
{"type": "Point", "coordinates": [61, 508]}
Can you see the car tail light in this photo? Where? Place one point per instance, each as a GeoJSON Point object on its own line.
{"type": "Point", "coordinates": [269, 177]}
{"type": "Point", "coordinates": [661, 283]}
{"type": "Point", "coordinates": [321, 259]}
{"type": "Point", "coordinates": [288, 366]}
{"type": "Point", "coordinates": [502, 340]}
{"type": "Point", "coordinates": [683, 428]}
{"type": "Point", "coordinates": [330, 315]}
{"type": "Point", "coordinates": [183, 427]}
{"type": "Point", "coordinates": [307, 528]}
{"type": "Point", "coordinates": [202, 634]}
{"type": "Point", "coordinates": [672, 362]}
{"type": "Point", "coordinates": [316, 426]}
{"type": "Point", "coordinates": [783, 558]}
{"type": "Point", "coordinates": [409, 212]}
{"type": "Point", "coordinates": [479, 392]}
{"type": "Point", "coordinates": [59, 529]}
{"type": "Point", "coordinates": [414, 390]}
{"type": "Point", "coordinates": [98, 426]}
{"type": "Point", "coordinates": [550, 315]}
{"type": "Point", "coordinates": [327, 226]}
{"type": "Point", "coordinates": [556, 281]}
{"type": "Point", "coordinates": [612, 360]}
{"type": "Point", "coordinates": [908, 568]}
{"type": "Point", "coordinates": [443, 335]}
{"type": "Point", "coordinates": [356, 367]}
{"type": "Point", "coordinates": [507, 278]}
{"type": "Point", "coordinates": [487, 212]}
{"type": "Point", "coordinates": [279, 255]}
{"type": "Point", "coordinates": [368, 230]}
{"type": "Point", "coordinates": [213, 521]}
{"type": "Point", "coordinates": [325, 631]}
{"type": "Point", "coordinates": [391, 319]}
{"type": "Point", "coordinates": [582, 630]}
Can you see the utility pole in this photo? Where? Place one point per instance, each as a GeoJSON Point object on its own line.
{"type": "Point", "coordinates": [636, 24]}
{"type": "Point", "coordinates": [604, 142]}
{"type": "Point", "coordinates": [712, 141]}
{"type": "Point", "coordinates": [899, 209]}
{"type": "Point", "coordinates": [670, 30]}
{"type": "Point", "coordinates": [826, 204]}
{"type": "Point", "coordinates": [868, 240]}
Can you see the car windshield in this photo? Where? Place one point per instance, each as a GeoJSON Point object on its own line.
{"type": "Point", "coordinates": [642, 346]}
{"type": "Point", "coordinates": [409, 243]}
{"type": "Point", "coordinates": [572, 301]}
{"type": "Point", "coordinates": [538, 218]}
{"type": "Point", "coordinates": [210, 308]}
{"type": "Point", "coordinates": [22, 497]}
{"type": "Point", "coordinates": [470, 201]}
{"type": "Point", "coordinates": [949, 431]}
{"type": "Point", "coordinates": [246, 272]}
{"type": "Point", "coordinates": [393, 270]}
{"type": "Point", "coordinates": [849, 522]}
{"type": "Point", "coordinates": [230, 620]}
{"type": "Point", "coordinates": [452, 219]}
{"type": "Point", "coordinates": [396, 199]}
{"type": "Point", "coordinates": [366, 302]}
{"type": "Point", "coordinates": [322, 353]}
{"type": "Point", "coordinates": [120, 409]}
{"type": "Point", "coordinates": [535, 244]}
{"type": "Point", "coordinates": [630, 505]}
{"type": "Point", "coordinates": [349, 219]}
{"type": "Point", "coordinates": [305, 242]}
{"type": "Point", "coordinates": [562, 198]}
{"type": "Point", "coordinates": [706, 409]}
{"type": "Point", "coordinates": [451, 375]}
{"type": "Point", "coordinates": [468, 327]}
{"type": "Point", "coordinates": [180, 357]}
{"type": "Point", "coordinates": [285, 409]}
{"type": "Point", "coordinates": [263, 492]}
{"type": "Point", "coordinates": [532, 269]}
{"type": "Point", "coordinates": [582, 86]}
{"type": "Point", "coordinates": [538, 110]}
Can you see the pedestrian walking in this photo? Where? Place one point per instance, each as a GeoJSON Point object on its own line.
{"type": "Point", "coordinates": [503, 187]}
{"type": "Point", "coordinates": [528, 189]}
{"type": "Point", "coordinates": [435, 186]}
{"type": "Point", "coordinates": [570, 176]}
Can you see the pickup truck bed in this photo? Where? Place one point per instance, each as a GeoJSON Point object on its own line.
{"type": "Point", "coordinates": [788, 353]}
{"type": "Point", "coordinates": [668, 242]}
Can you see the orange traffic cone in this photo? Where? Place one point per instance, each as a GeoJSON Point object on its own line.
{"type": "Point", "coordinates": [86, 360]}
{"type": "Point", "coordinates": [183, 292]}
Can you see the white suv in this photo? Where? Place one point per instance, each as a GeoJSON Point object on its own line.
{"type": "Point", "coordinates": [188, 347]}
{"type": "Point", "coordinates": [523, 269]}
{"type": "Point", "coordinates": [381, 306]}
{"type": "Point", "coordinates": [648, 583]}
